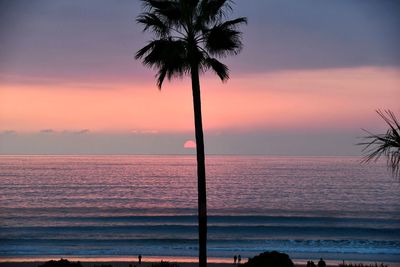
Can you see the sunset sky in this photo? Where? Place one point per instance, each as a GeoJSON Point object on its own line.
{"type": "Point", "coordinates": [310, 76]}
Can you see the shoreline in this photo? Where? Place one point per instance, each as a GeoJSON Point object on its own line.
{"type": "Point", "coordinates": [150, 260]}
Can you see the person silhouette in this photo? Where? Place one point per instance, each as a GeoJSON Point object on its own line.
{"type": "Point", "coordinates": [234, 259]}
{"type": "Point", "coordinates": [312, 264]}
{"type": "Point", "coordinates": [321, 263]}
{"type": "Point", "coordinates": [239, 259]}
{"type": "Point", "coordinates": [140, 258]}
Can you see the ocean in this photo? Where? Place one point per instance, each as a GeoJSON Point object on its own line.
{"type": "Point", "coordinates": [122, 206]}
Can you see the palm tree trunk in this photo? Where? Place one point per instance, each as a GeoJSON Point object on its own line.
{"type": "Point", "coordinates": [201, 170]}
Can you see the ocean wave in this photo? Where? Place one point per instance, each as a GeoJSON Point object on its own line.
{"type": "Point", "coordinates": [225, 221]}
{"type": "Point", "coordinates": [190, 231]}
{"type": "Point", "coordinates": [187, 246]}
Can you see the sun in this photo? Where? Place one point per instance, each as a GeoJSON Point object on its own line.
{"type": "Point", "coordinates": [190, 144]}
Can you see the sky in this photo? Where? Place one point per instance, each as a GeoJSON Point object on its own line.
{"type": "Point", "coordinates": [310, 77]}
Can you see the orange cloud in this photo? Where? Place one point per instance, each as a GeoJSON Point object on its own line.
{"type": "Point", "coordinates": [308, 99]}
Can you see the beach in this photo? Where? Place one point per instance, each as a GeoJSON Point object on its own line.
{"type": "Point", "coordinates": [112, 263]}
{"type": "Point", "coordinates": [181, 262]}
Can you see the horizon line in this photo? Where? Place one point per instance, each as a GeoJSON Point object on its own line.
{"type": "Point", "coordinates": [178, 154]}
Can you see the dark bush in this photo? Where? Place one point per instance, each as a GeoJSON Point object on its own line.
{"type": "Point", "coordinates": [270, 259]}
{"type": "Point", "coordinates": [61, 263]}
{"type": "Point", "coordinates": [165, 264]}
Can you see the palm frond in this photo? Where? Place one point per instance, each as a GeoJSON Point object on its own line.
{"type": "Point", "coordinates": [389, 117]}
{"type": "Point", "coordinates": [152, 22]}
{"type": "Point", "coordinates": [157, 4]}
{"type": "Point", "coordinates": [212, 10]}
{"type": "Point", "coordinates": [219, 68]}
{"type": "Point", "coordinates": [189, 7]}
{"type": "Point", "coordinates": [188, 34]}
{"type": "Point", "coordinates": [160, 77]}
{"type": "Point", "coordinates": [169, 10]}
{"type": "Point", "coordinates": [386, 145]}
{"type": "Point", "coordinates": [223, 39]}
{"type": "Point", "coordinates": [234, 22]}
{"type": "Point", "coordinates": [168, 56]}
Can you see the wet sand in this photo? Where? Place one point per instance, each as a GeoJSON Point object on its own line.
{"type": "Point", "coordinates": [150, 263]}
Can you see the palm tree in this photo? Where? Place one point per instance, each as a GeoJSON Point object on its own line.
{"type": "Point", "coordinates": [190, 37]}
{"type": "Point", "coordinates": [388, 144]}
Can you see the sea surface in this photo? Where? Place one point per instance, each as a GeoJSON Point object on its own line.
{"type": "Point", "coordinates": [122, 206]}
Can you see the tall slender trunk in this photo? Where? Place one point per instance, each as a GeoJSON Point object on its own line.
{"type": "Point", "coordinates": [201, 169]}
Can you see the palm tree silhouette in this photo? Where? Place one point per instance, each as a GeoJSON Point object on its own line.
{"type": "Point", "coordinates": [189, 37]}
{"type": "Point", "coordinates": [388, 144]}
